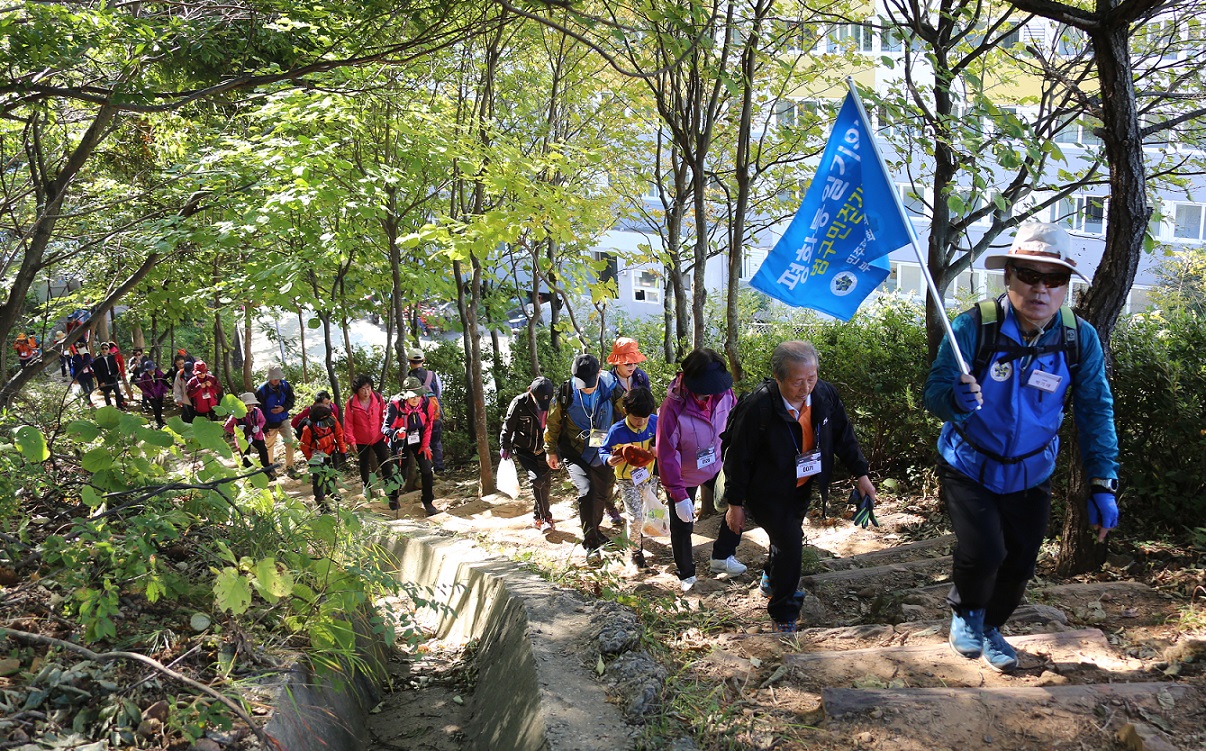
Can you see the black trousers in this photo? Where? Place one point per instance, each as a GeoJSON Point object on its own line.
{"type": "Point", "coordinates": [997, 541]}
{"type": "Point", "coordinates": [437, 445]}
{"type": "Point", "coordinates": [259, 447]}
{"type": "Point", "coordinates": [406, 455]}
{"type": "Point", "coordinates": [541, 478]}
{"type": "Point", "coordinates": [594, 484]}
{"type": "Point", "coordinates": [156, 404]}
{"type": "Point", "coordinates": [680, 538]}
{"type": "Point", "coordinates": [322, 481]}
{"type": "Point", "coordinates": [368, 454]}
{"type": "Point", "coordinates": [115, 387]}
{"type": "Point", "coordinates": [783, 521]}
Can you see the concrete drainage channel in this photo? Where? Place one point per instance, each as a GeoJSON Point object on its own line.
{"type": "Point", "coordinates": [538, 646]}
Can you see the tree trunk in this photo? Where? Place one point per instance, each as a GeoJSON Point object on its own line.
{"type": "Point", "coordinates": [102, 327]}
{"type": "Point", "coordinates": [248, 384]}
{"type": "Point", "coordinates": [536, 317]}
{"type": "Point", "coordinates": [347, 345]}
{"type": "Point", "coordinates": [1126, 222]}
{"type": "Point", "coordinates": [137, 338]}
{"type": "Point", "coordinates": [481, 430]}
{"type": "Point", "coordinates": [496, 370]}
{"type": "Point", "coordinates": [389, 337]}
{"type": "Point", "coordinates": [554, 299]}
{"type": "Point", "coordinates": [329, 356]}
{"type": "Point", "coordinates": [462, 309]}
{"type": "Point", "coordinates": [301, 341]}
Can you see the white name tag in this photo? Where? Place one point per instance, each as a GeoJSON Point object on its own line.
{"type": "Point", "coordinates": [412, 437]}
{"type": "Point", "coordinates": [1043, 381]}
{"type": "Point", "coordinates": [808, 464]}
{"type": "Point", "coordinates": [640, 475]}
{"type": "Point", "coordinates": [598, 439]}
{"type": "Point", "coordinates": [705, 457]}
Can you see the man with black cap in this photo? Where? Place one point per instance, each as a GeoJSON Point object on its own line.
{"type": "Point", "coordinates": [779, 447]}
{"type": "Point", "coordinates": [585, 408]}
{"type": "Point", "coordinates": [432, 387]}
{"type": "Point", "coordinates": [522, 438]}
{"type": "Point", "coordinates": [1028, 353]}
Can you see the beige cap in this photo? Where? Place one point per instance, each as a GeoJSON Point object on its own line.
{"type": "Point", "coordinates": [248, 398]}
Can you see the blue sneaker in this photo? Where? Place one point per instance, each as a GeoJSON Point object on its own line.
{"type": "Point", "coordinates": [997, 652]}
{"type": "Point", "coordinates": [765, 586]}
{"type": "Point", "coordinates": [784, 627]}
{"type": "Point", "coordinates": [967, 633]}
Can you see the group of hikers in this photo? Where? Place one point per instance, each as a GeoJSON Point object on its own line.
{"type": "Point", "coordinates": [1021, 357]}
{"type": "Point", "coordinates": [1001, 397]}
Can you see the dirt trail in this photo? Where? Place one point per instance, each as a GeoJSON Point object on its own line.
{"type": "Point", "coordinates": [870, 669]}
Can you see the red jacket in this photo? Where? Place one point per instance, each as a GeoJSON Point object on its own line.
{"type": "Point", "coordinates": [362, 425]}
{"type": "Point", "coordinates": [205, 392]}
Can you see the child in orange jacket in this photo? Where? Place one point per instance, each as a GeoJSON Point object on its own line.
{"type": "Point", "coordinates": [323, 444]}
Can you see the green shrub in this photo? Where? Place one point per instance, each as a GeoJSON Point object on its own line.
{"type": "Point", "coordinates": [1160, 413]}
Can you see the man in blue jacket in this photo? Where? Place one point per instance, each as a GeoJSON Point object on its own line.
{"type": "Point", "coordinates": [276, 399]}
{"type": "Point", "coordinates": [999, 444]}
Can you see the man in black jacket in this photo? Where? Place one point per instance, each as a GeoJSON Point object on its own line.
{"type": "Point", "coordinates": [523, 439]}
{"type": "Point", "coordinates": [108, 375]}
{"type": "Point", "coordinates": [779, 448]}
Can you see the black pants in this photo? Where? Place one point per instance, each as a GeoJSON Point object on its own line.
{"type": "Point", "coordinates": [541, 478]}
{"type": "Point", "coordinates": [437, 445]}
{"type": "Point", "coordinates": [680, 538]}
{"type": "Point", "coordinates": [997, 541]}
{"type": "Point", "coordinates": [406, 455]}
{"type": "Point", "coordinates": [322, 481]}
{"type": "Point", "coordinates": [783, 521]}
{"type": "Point", "coordinates": [115, 387]}
{"type": "Point", "coordinates": [594, 484]}
{"type": "Point", "coordinates": [87, 386]}
{"type": "Point", "coordinates": [261, 448]}
{"type": "Point", "coordinates": [64, 361]}
{"type": "Point", "coordinates": [156, 404]}
{"type": "Point", "coordinates": [368, 454]}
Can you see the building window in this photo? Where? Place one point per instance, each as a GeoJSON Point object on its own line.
{"type": "Point", "coordinates": [1012, 38]}
{"type": "Point", "coordinates": [1080, 133]}
{"type": "Point", "coordinates": [647, 286]}
{"type": "Point", "coordinates": [1187, 221]}
{"type": "Point", "coordinates": [1071, 41]}
{"type": "Point", "coordinates": [914, 201]}
{"type": "Point", "coordinates": [1082, 214]}
{"type": "Point", "coordinates": [854, 36]}
{"type": "Point", "coordinates": [751, 261]}
{"type": "Point", "coordinates": [796, 37]}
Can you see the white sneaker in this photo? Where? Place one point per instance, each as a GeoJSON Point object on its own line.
{"type": "Point", "coordinates": [730, 566]}
{"type": "Point", "coordinates": [687, 583]}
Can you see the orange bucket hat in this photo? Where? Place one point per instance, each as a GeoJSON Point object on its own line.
{"type": "Point", "coordinates": [625, 352]}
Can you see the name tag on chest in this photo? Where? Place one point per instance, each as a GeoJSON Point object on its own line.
{"type": "Point", "coordinates": [808, 464]}
{"type": "Point", "coordinates": [598, 439]}
{"type": "Point", "coordinates": [1044, 381]}
{"type": "Point", "coordinates": [705, 457]}
{"type": "Point", "coordinates": [640, 475]}
{"type": "Point", "coordinates": [412, 437]}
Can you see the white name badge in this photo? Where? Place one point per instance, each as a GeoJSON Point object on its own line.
{"type": "Point", "coordinates": [412, 437]}
{"type": "Point", "coordinates": [1043, 381]}
{"type": "Point", "coordinates": [640, 475]}
{"type": "Point", "coordinates": [808, 464]}
{"type": "Point", "coordinates": [598, 439]}
{"type": "Point", "coordinates": [705, 457]}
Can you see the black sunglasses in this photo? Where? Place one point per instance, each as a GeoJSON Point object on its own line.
{"type": "Point", "coordinates": [1032, 277]}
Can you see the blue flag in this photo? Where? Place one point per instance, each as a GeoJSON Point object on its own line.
{"type": "Point", "coordinates": [834, 252]}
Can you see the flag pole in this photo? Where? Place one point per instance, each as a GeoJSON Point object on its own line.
{"type": "Point", "coordinates": [925, 269]}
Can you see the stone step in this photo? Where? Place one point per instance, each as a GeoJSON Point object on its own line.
{"type": "Point", "coordinates": [1017, 719]}
{"type": "Point", "coordinates": [1043, 658]}
{"type": "Point", "coordinates": [922, 550]}
{"type": "Point", "coordinates": [866, 582]}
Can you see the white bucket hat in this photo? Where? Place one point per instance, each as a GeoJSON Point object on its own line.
{"type": "Point", "coordinates": [1039, 241]}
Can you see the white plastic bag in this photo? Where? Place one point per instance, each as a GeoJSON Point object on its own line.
{"type": "Point", "coordinates": [657, 516]}
{"type": "Point", "coordinates": [507, 481]}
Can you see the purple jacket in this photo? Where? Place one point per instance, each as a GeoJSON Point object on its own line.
{"type": "Point", "coordinates": [153, 383]}
{"type": "Point", "coordinates": [682, 430]}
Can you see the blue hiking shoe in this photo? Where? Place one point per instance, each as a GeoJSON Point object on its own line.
{"type": "Point", "coordinates": [997, 652]}
{"type": "Point", "coordinates": [765, 586]}
{"type": "Point", "coordinates": [967, 633]}
{"type": "Point", "coordinates": [784, 627]}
